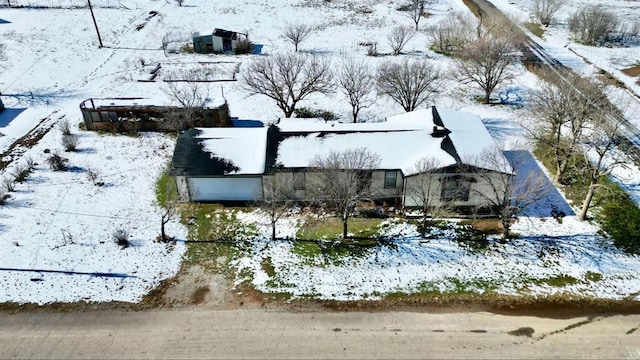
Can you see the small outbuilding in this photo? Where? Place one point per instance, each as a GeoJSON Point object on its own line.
{"type": "Point", "coordinates": [220, 41]}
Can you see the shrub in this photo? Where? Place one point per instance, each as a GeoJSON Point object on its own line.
{"type": "Point", "coordinates": [306, 113]}
{"type": "Point", "coordinates": [7, 184]}
{"type": "Point", "coordinates": [372, 50]}
{"type": "Point", "coordinates": [64, 127]}
{"type": "Point", "coordinates": [20, 172]}
{"type": "Point", "coordinates": [594, 24]}
{"type": "Point", "coordinates": [93, 175]}
{"type": "Point", "coordinates": [69, 142]}
{"type": "Point", "coordinates": [243, 47]}
{"type": "Point", "coordinates": [121, 237]}
{"type": "Point", "coordinates": [30, 163]}
{"type": "Point", "coordinates": [620, 218]}
{"type": "Point", "coordinates": [57, 162]}
{"type": "Point", "coordinates": [4, 195]}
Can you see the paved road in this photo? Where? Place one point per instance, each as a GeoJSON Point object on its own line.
{"type": "Point", "coordinates": [270, 334]}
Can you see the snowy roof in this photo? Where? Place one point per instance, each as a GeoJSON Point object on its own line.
{"type": "Point", "coordinates": [221, 151]}
{"type": "Point", "coordinates": [415, 120]}
{"type": "Point", "coordinates": [400, 142]}
{"type": "Point", "coordinates": [397, 149]}
{"type": "Point", "coordinates": [471, 138]}
{"type": "Point", "coordinates": [245, 148]}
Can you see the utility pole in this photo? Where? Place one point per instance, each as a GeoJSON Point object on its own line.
{"type": "Point", "coordinates": [95, 23]}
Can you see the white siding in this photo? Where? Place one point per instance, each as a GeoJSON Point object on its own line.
{"type": "Point", "coordinates": [225, 189]}
{"type": "Point", "coordinates": [217, 43]}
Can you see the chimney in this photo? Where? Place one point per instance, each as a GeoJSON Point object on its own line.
{"type": "Point", "coordinates": [440, 131]}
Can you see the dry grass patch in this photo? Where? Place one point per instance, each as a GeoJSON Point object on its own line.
{"type": "Point", "coordinates": [632, 71]}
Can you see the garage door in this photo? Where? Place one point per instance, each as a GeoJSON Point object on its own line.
{"type": "Point", "coordinates": [226, 189]}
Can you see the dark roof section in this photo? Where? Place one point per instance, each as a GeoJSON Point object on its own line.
{"type": "Point", "coordinates": [449, 148]}
{"type": "Point", "coordinates": [436, 117]}
{"type": "Point", "coordinates": [190, 158]}
{"type": "Point", "coordinates": [225, 34]}
{"type": "Point", "coordinates": [273, 139]}
{"type": "Point", "coordinates": [446, 145]}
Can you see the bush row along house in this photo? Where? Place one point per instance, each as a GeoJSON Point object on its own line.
{"type": "Point", "coordinates": [137, 114]}
{"type": "Point", "coordinates": [230, 164]}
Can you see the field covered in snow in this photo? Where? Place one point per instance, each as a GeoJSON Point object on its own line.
{"type": "Point", "coordinates": [547, 258]}
{"type": "Point", "coordinates": [62, 222]}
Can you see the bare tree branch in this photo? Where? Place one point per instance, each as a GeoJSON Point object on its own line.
{"type": "Point", "coordinates": [191, 97]}
{"type": "Point", "coordinates": [593, 24]}
{"type": "Point", "coordinates": [601, 155]}
{"type": "Point", "coordinates": [507, 194]}
{"type": "Point", "coordinates": [355, 81]}
{"type": "Point", "coordinates": [545, 10]}
{"type": "Point", "coordinates": [289, 78]}
{"type": "Point", "coordinates": [277, 198]}
{"type": "Point", "coordinates": [399, 37]}
{"type": "Point", "coordinates": [295, 33]}
{"type": "Point", "coordinates": [410, 83]}
{"type": "Point", "coordinates": [453, 32]}
{"type": "Point", "coordinates": [343, 179]}
{"type": "Point", "coordinates": [562, 111]}
{"type": "Point", "coordinates": [416, 10]}
{"type": "Point", "coordinates": [487, 62]}
{"type": "Point", "coordinates": [423, 188]}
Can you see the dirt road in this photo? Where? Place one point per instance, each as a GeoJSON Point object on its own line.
{"type": "Point", "coordinates": [256, 333]}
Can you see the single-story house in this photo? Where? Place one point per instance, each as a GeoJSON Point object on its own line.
{"type": "Point", "coordinates": [218, 41]}
{"type": "Point", "coordinates": [229, 164]}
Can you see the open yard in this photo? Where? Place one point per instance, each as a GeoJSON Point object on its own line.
{"type": "Point", "coordinates": [57, 228]}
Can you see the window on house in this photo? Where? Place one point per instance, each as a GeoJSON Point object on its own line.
{"type": "Point", "coordinates": [298, 181]}
{"type": "Point", "coordinates": [455, 188]}
{"type": "Point", "coordinates": [390, 178]}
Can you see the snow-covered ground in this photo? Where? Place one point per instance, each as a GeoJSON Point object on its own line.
{"type": "Point", "coordinates": [536, 263]}
{"type": "Point", "coordinates": [52, 62]}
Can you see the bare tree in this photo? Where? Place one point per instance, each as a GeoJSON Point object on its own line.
{"type": "Point", "coordinates": [486, 62]}
{"type": "Point", "coordinates": [295, 33]}
{"type": "Point", "coordinates": [277, 198]}
{"type": "Point", "coordinates": [422, 189]}
{"type": "Point", "coordinates": [170, 208]}
{"type": "Point", "coordinates": [416, 10]}
{"type": "Point", "coordinates": [342, 180]}
{"type": "Point", "coordinates": [601, 155]}
{"type": "Point", "coordinates": [289, 78]}
{"type": "Point", "coordinates": [355, 81]}
{"type": "Point", "coordinates": [508, 193]}
{"type": "Point", "coordinates": [189, 93]}
{"type": "Point", "coordinates": [399, 37]}
{"type": "Point", "coordinates": [593, 24]}
{"type": "Point", "coordinates": [545, 10]}
{"type": "Point", "coordinates": [409, 83]}
{"type": "Point", "coordinates": [450, 34]}
{"type": "Point", "coordinates": [562, 110]}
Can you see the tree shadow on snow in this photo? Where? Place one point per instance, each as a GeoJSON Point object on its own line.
{"type": "Point", "coordinates": [8, 115]}
{"type": "Point", "coordinates": [502, 129]}
{"type": "Point", "coordinates": [44, 96]}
